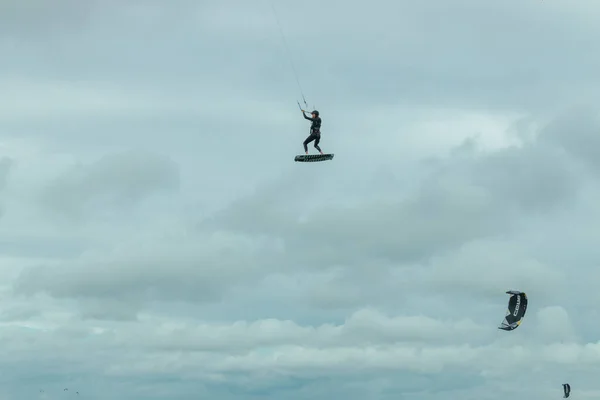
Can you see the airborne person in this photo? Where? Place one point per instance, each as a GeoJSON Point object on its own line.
{"type": "Point", "coordinates": [315, 130]}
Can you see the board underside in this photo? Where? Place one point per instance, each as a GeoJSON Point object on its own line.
{"type": "Point", "coordinates": [313, 157]}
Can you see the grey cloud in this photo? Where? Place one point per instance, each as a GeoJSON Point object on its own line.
{"type": "Point", "coordinates": [38, 19]}
{"type": "Point", "coordinates": [108, 309]}
{"type": "Point", "coordinates": [362, 328]}
{"type": "Point", "coordinates": [391, 65]}
{"type": "Point", "coordinates": [461, 192]}
{"type": "Point", "coordinates": [6, 164]}
{"type": "Point", "coordinates": [532, 178]}
{"type": "Point", "coordinates": [183, 267]}
{"type": "Point", "coordinates": [484, 193]}
{"type": "Point", "coordinates": [489, 268]}
{"type": "Point", "coordinates": [576, 132]}
{"type": "Point", "coordinates": [116, 181]}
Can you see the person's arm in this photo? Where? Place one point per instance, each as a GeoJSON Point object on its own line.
{"type": "Point", "coordinates": [308, 118]}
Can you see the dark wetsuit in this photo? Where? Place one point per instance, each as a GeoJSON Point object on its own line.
{"type": "Point", "coordinates": [315, 133]}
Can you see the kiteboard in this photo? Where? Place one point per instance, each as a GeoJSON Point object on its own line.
{"type": "Point", "coordinates": [313, 157]}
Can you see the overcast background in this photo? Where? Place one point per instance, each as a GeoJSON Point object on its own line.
{"type": "Point", "coordinates": [159, 242]}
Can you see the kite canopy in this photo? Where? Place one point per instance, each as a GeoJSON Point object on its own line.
{"type": "Point", "coordinates": [567, 389]}
{"type": "Point", "coordinates": [517, 306]}
{"type": "Point", "coordinates": [313, 157]}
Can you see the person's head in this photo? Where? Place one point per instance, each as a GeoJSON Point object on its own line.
{"type": "Point", "coordinates": [315, 113]}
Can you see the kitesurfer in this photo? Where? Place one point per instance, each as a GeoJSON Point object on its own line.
{"type": "Point", "coordinates": [315, 130]}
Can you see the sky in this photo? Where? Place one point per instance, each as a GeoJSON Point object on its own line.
{"type": "Point", "coordinates": [158, 241]}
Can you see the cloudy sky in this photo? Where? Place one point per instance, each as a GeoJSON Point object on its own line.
{"type": "Point", "coordinates": [159, 242]}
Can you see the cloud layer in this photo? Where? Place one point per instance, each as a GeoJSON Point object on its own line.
{"type": "Point", "coordinates": [158, 242]}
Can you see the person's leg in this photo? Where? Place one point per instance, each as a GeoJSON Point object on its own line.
{"type": "Point", "coordinates": [307, 141]}
{"type": "Point", "coordinates": [317, 140]}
